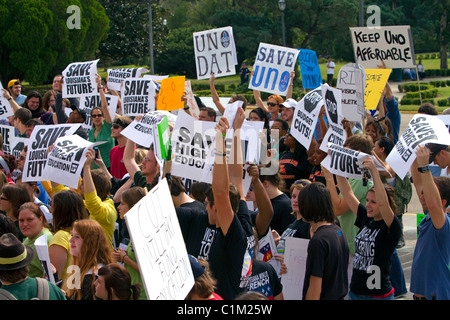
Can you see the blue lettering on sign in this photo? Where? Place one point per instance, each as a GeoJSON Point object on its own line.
{"type": "Point", "coordinates": [284, 81]}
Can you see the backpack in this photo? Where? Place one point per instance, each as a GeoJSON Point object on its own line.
{"type": "Point", "coordinates": [43, 291]}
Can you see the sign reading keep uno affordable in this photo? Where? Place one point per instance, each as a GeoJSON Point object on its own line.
{"type": "Point", "coordinates": [215, 52]}
{"type": "Point", "coordinates": [422, 129]}
{"type": "Point", "coordinates": [80, 79]}
{"type": "Point", "coordinates": [392, 44]}
{"type": "Point", "coordinates": [272, 68]}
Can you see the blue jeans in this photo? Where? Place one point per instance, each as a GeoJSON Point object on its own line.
{"type": "Point", "coordinates": [397, 276]}
{"type": "Point", "coordinates": [354, 296]}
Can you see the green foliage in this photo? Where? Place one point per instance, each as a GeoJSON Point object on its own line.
{"type": "Point", "coordinates": [36, 43]}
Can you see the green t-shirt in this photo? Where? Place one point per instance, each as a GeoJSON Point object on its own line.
{"type": "Point", "coordinates": [347, 220]}
{"type": "Point", "coordinates": [103, 135]}
{"type": "Point", "coordinates": [135, 275]}
{"type": "Point", "coordinates": [27, 289]}
{"type": "Point", "coordinates": [35, 267]}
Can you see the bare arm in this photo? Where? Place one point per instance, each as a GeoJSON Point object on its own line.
{"type": "Point", "coordinates": [291, 85]}
{"type": "Point", "coordinates": [103, 101]}
{"type": "Point", "coordinates": [259, 102]}
{"type": "Point", "coordinates": [215, 95]}
{"type": "Point", "coordinates": [314, 289]}
{"type": "Point", "coordinates": [265, 212]}
{"type": "Point", "coordinates": [128, 158]}
{"type": "Point", "coordinates": [339, 204]}
{"type": "Point", "coordinates": [11, 101]}
{"type": "Point", "coordinates": [236, 164]}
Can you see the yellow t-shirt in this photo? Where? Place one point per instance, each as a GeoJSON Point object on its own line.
{"type": "Point", "coordinates": [62, 238]}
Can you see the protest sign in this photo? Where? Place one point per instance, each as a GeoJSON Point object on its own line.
{"type": "Point", "coordinates": [306, 115]}
{"type": "Point", "coordinates": [8, 133]}
{"type": "Point", "coordinates": [42, 137]}
{"type": "Point", "coordinates": [142, 132]}
{"type": "Point", "coordinates": [115, 77]}
{"type": "Point", "coordinates": [375, 82]}
{"type": "Point", "coordinates": [169, 97]}
{"type": "Point", "coordinates": [16, 145]}
{"type": "Point", "coordinates": [352, 82]}
{"type": "Point", "coordinates": [41, 246]}
{"type": "Point", "coordinates": [267, 250]}
{"type": "Point", "coordinates": [66, 159]}
{"type": "Point", "coordinates": [80, 79]}
{"type": "Point", "coordinates": [422, 129]}
{"type": "Point", "coordinates": [336, 133]}
{"type": "Point", "coordinates": [87, 103]}
{"type": "Point", "coordinates": [309, 68]}
{"type": "Point", "coordinates": [346, 162]}
{"type": "Point", "coordinates": [159, 246]}
{"type": "Point", "coordinates": [391, 44]}
{"type": "Point", "coordinates": [446, 119]}
{"type": "Point", "coordinates": [190, 100]}
{"type": "Point", "coordinates": [5, 107]}
{"type": "Point", "coordinates": [215, 52]}
{"type": "Point", "coordinates": [138, 96]}
{"type": "Point", "coordinates": [295, 256]}
{"type": "Point", "coordinates": [272, 68]}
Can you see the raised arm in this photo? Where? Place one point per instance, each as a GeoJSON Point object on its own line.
{"type": "Point", "coordinates": [430, 191]}
{"type": "Point", "coordinates": [11, 101]}
{"type": "Point", "coordinates": [128, 158]}
{"type": "Point", "coordinates": [339, 204]}
{"type": "Point", "coordinates": [291, 85]}
{"type": "Point", "coordinates": [265, 209]}
{"type": "Point", "coordinates": [236, 162]}
{"type": "Point", "coordinates": [103, 101]}
{"type": "Point", "coordinates": [259, 102]}
{"type": "Point", "coordinates": [215, 95]}
{"type": "Point", "coordinates": [220, 180]}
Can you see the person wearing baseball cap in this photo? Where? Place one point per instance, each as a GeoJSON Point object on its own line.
{"type": "Point", "coordinates": [14, 260]}
{"type": "Point", "coordinates": [287, 110]}
{"type": "Point", "coordinates": [205, 283]}
{"type": "Point", "coordinates": [440, 155]}
{"type": "Point", "coordinates": [15, 89]}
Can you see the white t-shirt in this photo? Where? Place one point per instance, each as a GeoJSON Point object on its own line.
{"type": "Point", "coordinates": [330, 66]}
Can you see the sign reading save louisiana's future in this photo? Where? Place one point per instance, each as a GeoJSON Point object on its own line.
{"type": "Point", "coordinates": [272, 68]}
{"type": "Point", "coordinates": [80, 79]}
{"type": "Point", "coordinates": [392, 44]}
{"type": "Point", "coordinates": [138, 96]}
{"type": "Point", "coordinates": [215, 52]}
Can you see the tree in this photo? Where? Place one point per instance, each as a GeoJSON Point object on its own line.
{"type": "Point", "coordinates": [36, 43]}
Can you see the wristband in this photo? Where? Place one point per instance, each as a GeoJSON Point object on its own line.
{"type": "Point", "coordinates": [221, 154]}
{"type": "Point", "coordinates": [9, 98]}
{"type": "Point", "coordinates": [424, 169]}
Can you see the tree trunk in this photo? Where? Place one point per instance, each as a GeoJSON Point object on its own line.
{"type": "Point", "coordinates": [443, 43]}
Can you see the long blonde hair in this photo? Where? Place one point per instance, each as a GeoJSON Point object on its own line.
{"type": "Point", "coordinates": [96, 249]}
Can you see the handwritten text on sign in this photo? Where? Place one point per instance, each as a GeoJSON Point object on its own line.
{"type": "Point", "coordinates": [309, 68]}
{"type": "Point", "coordinates": [392, 44]}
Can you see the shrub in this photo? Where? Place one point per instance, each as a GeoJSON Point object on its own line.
{"type": "Point", "coordinates": [442, 102]}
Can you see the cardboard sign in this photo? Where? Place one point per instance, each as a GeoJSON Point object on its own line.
{"type": "Point", "coordinates": [295, 256]}
{"type": "Point", "coordinates": [352, 82]}
{"type": "Point", "coordinates": [215, 52]}
{"type": "Point", "coordinates": [143, 132]}
{"type": "Point", "coordinates": [66, 160]}
{"type": "Point", "coordinates": [375, 82]}
{"type": "Point", "coordinates": [336, 133]}
{"type": "Point", "coordinates": [138, 96]}
{"type": "Point", "coordinates": [392, 44]}
{"type": "Point", "coordinates": [8, 133]}
{"type": "Point", "coordinates": [272, 68]}
{"type": "Point", "coordinates": [306, 115]}
{"type": "Point", "coordinates": [87, 103]}
{"type": "Point", "coordinates": [41, 246]}
{"type": "Point", "coordinates": [169, 97]}
{"type": "Point", "coordinates": [309, 68]}
{"type": "Point", "coordinates": [422, 129]}
{"type": "Point", "coordinates": [42, 137]}
{"type": "Point", "coordinates": [80, 79]}
{"type": "Point", "coordinates": [346, 162]}
{"type": "Point", "coordinates": [159, 246]}
{"type": "Point", "coordinates": [190, 100]}
{"type": "Point", "coordinates": [117, 76]}
{"type": "Point", "coordinates": [5, 107]}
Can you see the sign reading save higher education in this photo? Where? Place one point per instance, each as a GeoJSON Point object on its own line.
{"type": "Point", "coordinates": [422, 129]}
{"type": "Point", "coordinates": [159, 246]}
{"type": "Point", "coordinates": [309, 68]}
{"type": "Point", "coordinates": [215, 52]}
{"type": "Point", "coordinates": [42, 137]}
{"type": "Point", "coordinates": [138, 96]}
{"type": "Point", "coordinates": [80, 79]}
{"type": "Point", "coordinates": [272, 68]}
{"type": "Point", "coordinates": [392, 44]}
{"type": "Point", "coordinates": [117, 76]}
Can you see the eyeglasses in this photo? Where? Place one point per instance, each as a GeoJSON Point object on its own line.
{"type": "Point", "coordinates": [147, 159]}
{"type": "Point", "coordinates": [271, 104]}
{"type": "Point", "coordinates": [96, 115]}
{"type": "Point", "coordinates": [116, 126]}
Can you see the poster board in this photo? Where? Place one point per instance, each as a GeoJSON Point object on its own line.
{"type": "Point", "coordinates": [309, 68]}
{"type": "Point", "coordinates": [80, 79]}
{"type": "Point", "coordinates": [352, 82]}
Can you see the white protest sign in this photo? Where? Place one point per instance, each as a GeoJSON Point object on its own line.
{"type": "Point", "coordinates": [87, 103]}
{"type": "Point", "coordinates": [65, 161]}
{"type": "Point", "coordinates": [306, 115]}
{"type": "Point", "coordinates": [80, 79]}
{"type": "Point", "coordinates": [159, 246]}
{"type": "Point", "coordinates": [272, 68]}
{"type": "Point", "coordinates": [5, 107]}
{"type": "Point", "coordinates": [41, 245]}
{"type": "Point", "coordinates": [117, 76]}
{"type": "Point", "coordinates": [142, 131]}
{"type": "Point", "coordinates": [352, 82]}
{"type": "Point", "coordinates": [346, 162]}
{"type": "Point", "coordinates": [391, 44]}
{"type": "Point", "coordinates": [8, 133]}
{"type": "Point", "coordinates": [295, 255]}
{"type": "Point", "coordinates": [335, 133]}
{"type": "Point", "coordinates": [446, 119]}
{"type": "Point", "coordinates": [16, 145]}
{"type": "Point", "coordinates": [422, 129]}
{"type": "Point", "coordinates": [191, 142]}
{"type": "Point", "coordinates": [215, 52]}
{"type": "Point", "coordinates": [42, 137]}
{"type": "Point", "coordinates": [138, 96]}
